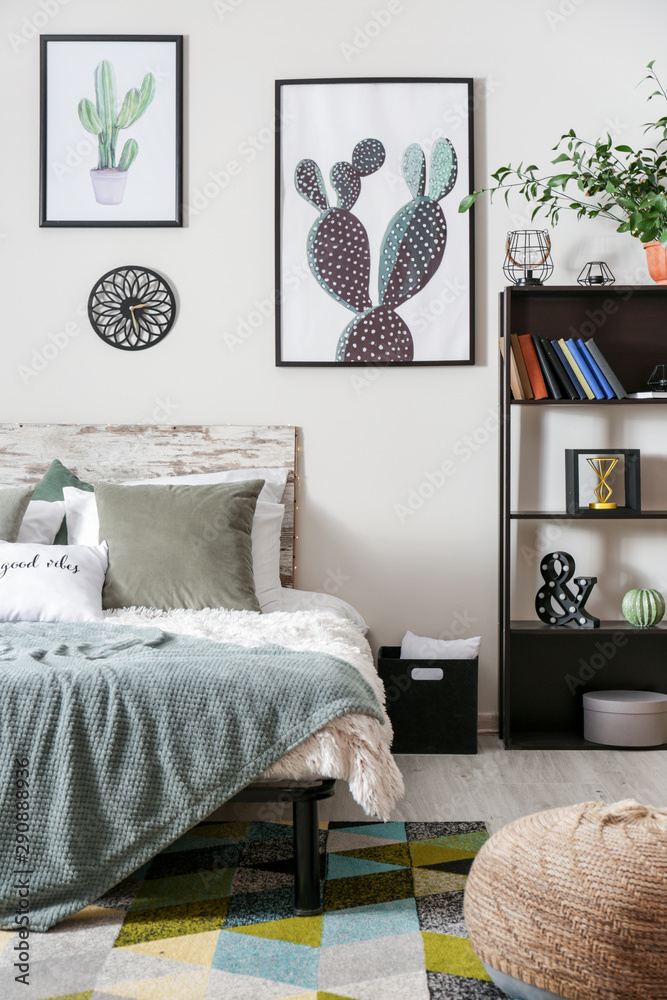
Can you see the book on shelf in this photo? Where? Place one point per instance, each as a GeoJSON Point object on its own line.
{"type": "Point", "coordinates": [572, 361]}
{"type": "Point", "coordinates": [547, 371]}
{"type": "Point", "coordinates": [606, 368]}
{"type": "Point", "coordinates": [655, 394]}
{"type": "Point", "coordinates": [584, 368]}
{"type": "Point", "coordinates": [515, 381]}
{"type": "Point", "coordinates": [558, 350]}
{"type": "Point", "coordinates": [568, 390]}
{"type": "Point", "coordinates": [541, 368]}
{"type": "Point", "coordinates": [533, 366]}
{"type": "Point", "coordinates": [521, 367]}
{"type": "Point", "coordinates": [595, 368]}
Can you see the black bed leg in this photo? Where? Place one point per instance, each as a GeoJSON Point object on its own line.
{"type": "Point", "coordinates": [307, 902]}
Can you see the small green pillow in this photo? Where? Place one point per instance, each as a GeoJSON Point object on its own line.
{"type": "Point", "coordinates": [50, 488]}
{"type": "Point", "coordinates": [179, 546]}
{"type": "Point", "coordinates": [14, 502]}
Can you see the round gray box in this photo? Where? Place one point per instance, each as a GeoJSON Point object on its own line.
{"type": "Point", "coordinates": [625, 718]}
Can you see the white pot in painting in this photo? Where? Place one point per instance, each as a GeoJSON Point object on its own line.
{"type": "Point", "coordinates": [108, 185]}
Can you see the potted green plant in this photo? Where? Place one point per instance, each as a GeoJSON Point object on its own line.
{"type": "Point", "coordinates": [104, 120]}
{"type": "Point", "coordinates": [613, 182]}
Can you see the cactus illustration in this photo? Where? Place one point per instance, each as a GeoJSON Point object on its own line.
{"type": "Point", "coordinates": [412, 248]}
{"type": "Point", "coordinates": [105, 120]}
{"type": "Point", "coordinates": [338, 250]}
{"type": "Point", "coordinates": [415, 239]}
{"type": "Point", "coordinates": [412, 251]}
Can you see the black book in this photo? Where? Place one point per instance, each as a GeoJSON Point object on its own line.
{"type": "Point", "coordinates": [561, 375]}
{"type": "Point", "coordinates": [547, 370]}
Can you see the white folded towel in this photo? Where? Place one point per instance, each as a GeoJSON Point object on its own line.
{"type": "Point", "coordinates": [420, 647]}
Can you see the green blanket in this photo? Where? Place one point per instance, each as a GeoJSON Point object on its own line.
{"type": "Point", "coordinates": [116, 740]}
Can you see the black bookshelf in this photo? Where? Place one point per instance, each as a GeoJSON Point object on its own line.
{"type": "Point", "coordinates": [541, 677]}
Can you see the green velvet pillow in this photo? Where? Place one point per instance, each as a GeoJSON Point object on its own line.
{"type": "Point", "coordinates": [50, 488]}
{"type": "Point", "coordinates": [14, 501]}
{"type": "Point", "coordinates": [179, 546]}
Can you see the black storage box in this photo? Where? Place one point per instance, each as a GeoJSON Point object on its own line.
{"type": "Point", "coordinates": [436, 714]}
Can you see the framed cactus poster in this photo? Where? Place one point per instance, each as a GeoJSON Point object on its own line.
{"type": "Point", "coordinates": [374, 263]}
{"type": "Point", "coordinates": [111, 130]}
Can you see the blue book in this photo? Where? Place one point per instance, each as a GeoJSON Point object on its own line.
{"type": "Point", "coordinates": [585, 369]}
{"type": "Point", "coordinates": [568, 369]}
{"type": "Point", "coordinates": [595, 368]}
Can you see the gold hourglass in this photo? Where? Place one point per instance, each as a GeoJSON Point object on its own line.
{"type": "Point", "coordinates": [603, 467]}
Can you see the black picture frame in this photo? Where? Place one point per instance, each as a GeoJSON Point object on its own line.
{"type": "Point", "coordinates": [631, 478]}
{"type": "Point", "coordinates": [445, 345]}
{"type": "Point", "coordinates": [69, 150]}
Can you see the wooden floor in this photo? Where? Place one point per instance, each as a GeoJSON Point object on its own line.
{"type": "Point", "coordinates": [499, 785]}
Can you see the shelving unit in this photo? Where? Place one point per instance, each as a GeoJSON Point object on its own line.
{"type": "Point", "coordinates": [545, 670]}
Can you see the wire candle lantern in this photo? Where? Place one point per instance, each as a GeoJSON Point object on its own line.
{"type": "Point", "coordinates": [528, 257]}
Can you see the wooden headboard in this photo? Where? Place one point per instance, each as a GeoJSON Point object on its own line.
{"type": "Point", "coordinates": [116, 452]}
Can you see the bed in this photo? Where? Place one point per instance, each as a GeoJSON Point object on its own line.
{"type": "Point", "coordinates": [352, 746]}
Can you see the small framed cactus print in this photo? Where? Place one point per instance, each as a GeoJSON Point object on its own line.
{"type": "Point", "coordinates": [374, 263]}
{"type": "Point", "coordinates": [111, 130]}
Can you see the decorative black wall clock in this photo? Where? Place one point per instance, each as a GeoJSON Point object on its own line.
{"type": "Point", "coordinates": [132, 308]}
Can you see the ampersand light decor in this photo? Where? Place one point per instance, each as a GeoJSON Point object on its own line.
{"type": "Point", "coordinates": [555, 602]}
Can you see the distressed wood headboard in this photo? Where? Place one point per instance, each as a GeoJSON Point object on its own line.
{"type": "Point", "coordinates": [116, 452]}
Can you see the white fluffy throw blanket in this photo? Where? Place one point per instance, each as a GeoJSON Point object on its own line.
{"type": "Point", "coordinates": [353, 747]}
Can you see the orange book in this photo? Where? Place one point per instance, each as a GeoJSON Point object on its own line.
{"type": "Point", "coordinates": [535, 375]}
{"type": "Point", "coordinates": [521, 366]}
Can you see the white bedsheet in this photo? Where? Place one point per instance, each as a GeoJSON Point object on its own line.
{"type": "Point", "coordinates": [353, 747]}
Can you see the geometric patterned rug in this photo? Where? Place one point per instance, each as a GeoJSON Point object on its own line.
{"type": "Point", "coordinates": [210, 918]}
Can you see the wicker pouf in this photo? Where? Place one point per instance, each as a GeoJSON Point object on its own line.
{"type": "Point", "coordinates": [573, 902]}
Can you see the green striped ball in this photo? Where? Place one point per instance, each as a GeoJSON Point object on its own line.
{"type": "Point", "coordinates": [643, 607]}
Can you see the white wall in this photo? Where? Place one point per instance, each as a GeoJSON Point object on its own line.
{"type": "Point", "coordinates": [541, 66]}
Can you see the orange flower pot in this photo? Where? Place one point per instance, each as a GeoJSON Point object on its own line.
{"type": "Point", "coordinates": [656, 258]}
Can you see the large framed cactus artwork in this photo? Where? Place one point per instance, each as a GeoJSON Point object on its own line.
{"type": "Point", "coordinates": [111, 141]}
{"type": "Point", "coordinates": [374, 263]}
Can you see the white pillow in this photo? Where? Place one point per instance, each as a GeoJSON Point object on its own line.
{"type": "Point", "coordinates": [420, 647]}
{"type": "Point", "coordinates": [83, 524]}
{"type": "Point", "coordinates": [83, 528]}
{"type": "Point", "coordinates": [272, 490]}
{"type": "Point", "coordinates": [52, 583]}
{"type": "Point", "coordinates": [311, 600]}
{"type": "Point", "coordinates": [41, 520]}
{"type": "Point", "coordinates": [265, 540]}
